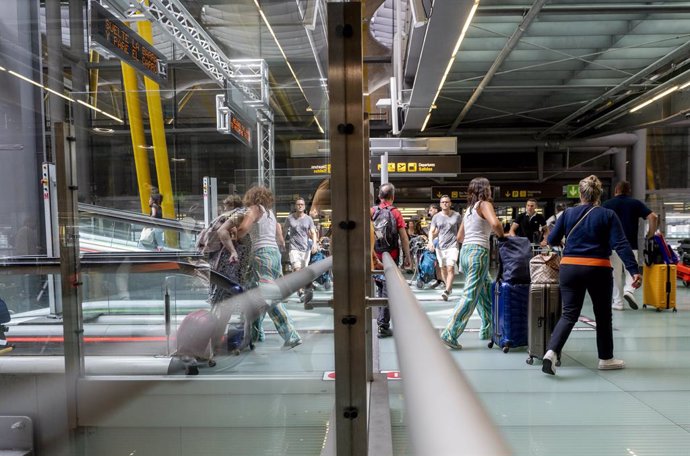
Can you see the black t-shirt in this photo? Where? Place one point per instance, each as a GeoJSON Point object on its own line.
{"type": "Point", "coordinates": [628, 210]}
{"type": "Point", "coordinates": [529, 227]}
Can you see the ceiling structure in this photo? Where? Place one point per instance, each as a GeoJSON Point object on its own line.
{"type": "Point", "coordinates": [527, 75]}
{"type": "Point", "coordinates": [566, 69]}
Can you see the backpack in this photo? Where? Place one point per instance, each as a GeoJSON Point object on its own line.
{"type": "Point", "coordinates": [208, 240]}
{"type": "Point", "coordinates": [657, 251]}
{"type": "Point", "coordinates": [427, 266]}
{"type": "Point", "coordinates": [385, 229]}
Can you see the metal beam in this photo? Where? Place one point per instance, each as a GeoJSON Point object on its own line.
{"type": "Point", "coordinates": [588, 9]}
{"type": "Point", "coordinates": [502, 56]}
{"type": "Point", "coordinates": [679, 52]}
{"type": "Point", "coordinates": [624, 108]}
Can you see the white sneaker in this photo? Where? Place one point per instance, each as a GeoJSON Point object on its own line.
{"type": "Point", "coordinates": [611, 364]}
{"type": "Point", "coordinates": [549, 363]}
{"type": "Point", "coordinates": [617, 306]}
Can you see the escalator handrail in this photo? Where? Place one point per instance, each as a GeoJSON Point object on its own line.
{"type": "Point", "coordinates": [139, 219]}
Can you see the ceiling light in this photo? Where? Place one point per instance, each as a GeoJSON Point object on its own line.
{"type": "Point", "coordinates": [468, 21]}
{"type": "Point", "coordinates": [684, 85]}
{"type": "Point", "coordinates": [104, 131]}
{"type": "Point", "coordinates": [652, 100]}
{"type": "Point", "coordinates": [287, 62]}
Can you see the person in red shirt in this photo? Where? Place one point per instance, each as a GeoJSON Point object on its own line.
{"type": "Point", "coordinates": [386, 198]}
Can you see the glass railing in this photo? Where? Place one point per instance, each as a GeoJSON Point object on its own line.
{"type": "Point", "coordinates": [109, 230]}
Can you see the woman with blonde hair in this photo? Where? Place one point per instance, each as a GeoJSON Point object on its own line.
{"type": "Point", "coordinates": [267, 239]}
{"type": "Point", "coordinates": [591, 232]}
{"type": "Point", "coordinates": [477, 222]}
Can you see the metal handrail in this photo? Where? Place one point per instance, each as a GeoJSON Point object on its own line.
{"type": "Point", "coordinates": [445, 415]}
{"type": "Point", "coordinates": [139, 219]}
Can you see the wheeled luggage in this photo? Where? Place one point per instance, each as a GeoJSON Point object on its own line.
{"type": "Point", "coordinates": [544, 310]}
{"type": "Point", "coordinates": [194, 339]}
{"type": "Point", "coordinates": [509, 315]}
{"type": "Point", "coordinates": [659, 286]}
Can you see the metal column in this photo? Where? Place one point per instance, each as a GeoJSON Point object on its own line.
{"type": "Point", "coordinates": [68, 227]}
{"type": "Point", "coordinates": [350, 201]}
{"type": "Point", "coordinates": [55, 79]}
{"type": "Point", "coordinates": [79, 78]}
{"type": "Point", "coordinates": [620, 165]}
{"type": "Point", "coordinates": [638, 176]}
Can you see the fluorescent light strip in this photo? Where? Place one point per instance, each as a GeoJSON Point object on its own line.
{"type": "Point", "coordinates": [684, 85]}
{"type": "Point", "coordinates": [465, 27]}
{"type": "Point", "coordinates": [47, 89]}
{"type": "Point", "coordinates": [287, 62]}
{"type": "Point", "coordinates": [650, 101]}
{"type": "Point", "coordinates": [100, 110]}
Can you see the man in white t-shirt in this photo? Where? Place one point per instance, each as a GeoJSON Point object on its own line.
{"type": "Point", "coordinates": [299, 229]}
{"type": "Point", "coordinates": [444, 227]}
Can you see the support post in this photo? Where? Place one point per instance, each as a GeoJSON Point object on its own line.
{"type": "Point", "coordinates": [620, 164]}
{"type": "Point", "coordinates": [638, 175]}
{"type": "Point", "coordinates": [136, 128]}
{"type": "Point", "coordinates": [350, 202]}
{"type": "Point", "coordinates": [68, 227]}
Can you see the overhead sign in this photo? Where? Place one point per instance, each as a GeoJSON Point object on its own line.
{"type": "Point", "coordinates": [418, 165]}
{"type": "Point", "coordinates": [305, 167]}
{"type": "Point", "coordinates": [124, 43]}
{"type": "Point", "coordinates": [571, 191]}
{"type": "Point", "coordinates": [240, 130]}
{"type": "Point", "coordinates": [454, 192]}
{"type": "Point", "coordinates": [525, 190]}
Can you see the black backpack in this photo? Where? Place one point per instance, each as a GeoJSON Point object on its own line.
{"type": "Point", "coordinates": [385, 230]}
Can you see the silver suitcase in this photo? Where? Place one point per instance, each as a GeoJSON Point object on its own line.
{"type": "Point", "coordinates": [544, 310]}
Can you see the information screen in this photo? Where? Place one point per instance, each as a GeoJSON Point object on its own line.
{"type": "Point", "coordinates": [123, 42]}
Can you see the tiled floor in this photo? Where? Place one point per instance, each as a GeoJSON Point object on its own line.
{"type": "Point", "coordinates": [643, 410]}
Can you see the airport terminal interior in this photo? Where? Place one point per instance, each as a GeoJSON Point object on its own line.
{"type": "Point", "coordinates": [130, 131]}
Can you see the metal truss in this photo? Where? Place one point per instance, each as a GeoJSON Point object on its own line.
{"type": "Point", "coordinates": [250, 77]}
{"type": "Point", "coordinates": [264, 141]}
{"type": "Point", "coordinates": [180, 26]}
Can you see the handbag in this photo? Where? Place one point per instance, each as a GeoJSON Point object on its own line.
{"type": "Point", "coordinates": [544, 268]}
{"type": "Point", "coordinates": [147, 237]}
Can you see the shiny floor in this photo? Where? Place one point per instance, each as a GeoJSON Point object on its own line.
{"type": "Point", "coordinates": [643, 410]}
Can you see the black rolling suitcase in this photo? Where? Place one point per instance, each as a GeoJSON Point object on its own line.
{"type": "Point", "coordinates": [544, 310]}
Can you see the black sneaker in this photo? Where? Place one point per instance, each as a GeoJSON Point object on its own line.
{"type": "Point", "coordinates": [436, 283]}
{"type": "Point", "coordinates": [630, 299]}
{"type": "Point", "coordinates": [384, 332]}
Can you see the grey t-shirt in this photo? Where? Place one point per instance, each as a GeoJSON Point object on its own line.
{"type": "Point", "coordinates": [297, 229]}
{"type": "Point", "coordinates": [447, 226]}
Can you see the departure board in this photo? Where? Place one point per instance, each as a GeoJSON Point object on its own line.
{"type": "Point", "coordinates": [124, 43]}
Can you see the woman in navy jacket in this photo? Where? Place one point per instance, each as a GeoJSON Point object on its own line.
{"type": "Point", "coordinates": [591, 232]}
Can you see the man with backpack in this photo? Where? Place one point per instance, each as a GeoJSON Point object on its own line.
{"type": "Point", "coordinates": [389, 228]}
{"type": "Point", "coordinates": [444, 226]}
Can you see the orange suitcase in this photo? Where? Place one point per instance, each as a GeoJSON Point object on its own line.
{"type": "Point", "coordinates": [659, 286]}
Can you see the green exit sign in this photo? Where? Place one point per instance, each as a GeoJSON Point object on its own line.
{"type": "Point", "coordinates": [571, 191]}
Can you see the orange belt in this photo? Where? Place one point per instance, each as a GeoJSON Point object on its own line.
{"type": "Point", "coordinates": [582, 261]}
